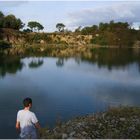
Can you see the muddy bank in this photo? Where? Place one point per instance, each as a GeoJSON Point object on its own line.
{"type": "Point", "coordinates": [116, 123]}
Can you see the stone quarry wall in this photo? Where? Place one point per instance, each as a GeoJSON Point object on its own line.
{"type": "Point", "coordinates": [17, 37]}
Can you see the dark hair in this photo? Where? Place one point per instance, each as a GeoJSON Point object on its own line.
{"type": "Point", "coordinates": [27, 101]}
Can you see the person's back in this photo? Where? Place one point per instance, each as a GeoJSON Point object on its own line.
{"type": "Point", "coordinates": [27, 121]}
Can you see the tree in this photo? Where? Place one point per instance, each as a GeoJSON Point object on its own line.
{"type": "Point", "coordinates": [40, 27]}
{"type": "Point", "coordinates": [103, 26]}
{"type": "Point", "coordinates": [77, 30]}
{"type": "Point", "coordinates": [1, 19]}
{"type": "Point", "coordinates": [33, 25]}
{"type": "Point", "coordinates": [27, 30]}
{"type": "Point", "coordinates": [94, 28]}
{"type": "Point", "coordinates": [10, 21]}
{"type": "Point", "coordinates": [60, 27]}
{"type": "Point", "coordinates": [1, 14]}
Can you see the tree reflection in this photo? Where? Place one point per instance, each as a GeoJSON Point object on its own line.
{"type": "Point", "coordinates": [10, 65]}
{"type": "Point", "coordinates": [35, 63]}
{"type": "Point", "coordinates": [60, 62]}
{"type": "Point", "coordinates": [113, 57]}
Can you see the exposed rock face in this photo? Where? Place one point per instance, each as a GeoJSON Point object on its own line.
{"type": "Point", "coordinates": [17, 37]}
{"type": "Point", "coordinates": [12, 36]}
{"type": "Point", "coordinates": [73, 39]}
{"type": "Point", "coordinates": [137, 44]}
{"type": "Point", "coordinates": [42, 42]}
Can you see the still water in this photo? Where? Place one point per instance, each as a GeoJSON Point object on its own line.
{"type": "Point", "coordinates": [63, 88]}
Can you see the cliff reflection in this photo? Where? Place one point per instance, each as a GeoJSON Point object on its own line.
{"type": "Point", "coordinates": [108, 58]}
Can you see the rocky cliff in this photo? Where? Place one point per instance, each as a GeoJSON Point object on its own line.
{"type": "Point", "coordinates": [17, 37]}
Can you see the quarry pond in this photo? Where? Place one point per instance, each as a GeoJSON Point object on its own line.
{"type": "Point", "coordinates": [63, 88]}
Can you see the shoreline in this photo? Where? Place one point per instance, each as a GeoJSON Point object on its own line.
{"type": "Point", "coordinates": [115, 123]}
{"type": "Point", "coordinates": [59, 50]}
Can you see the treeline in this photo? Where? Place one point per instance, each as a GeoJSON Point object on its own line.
{"type": "Point", "coordinates": [10, 21]}
{"type": "Point", "coordinates": [113, 33]}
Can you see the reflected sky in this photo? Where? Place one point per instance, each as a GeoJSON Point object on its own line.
{"type": "Point", "coordinates": [65, 88]}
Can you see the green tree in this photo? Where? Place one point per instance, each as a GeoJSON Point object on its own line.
{"type": "Point", "coordinates": [33, 25]}
{"type": "Point", "coordinates": [94, 27]}
{"type": "Point", "coordinates": [1, 14]}
{"type": "Point", "coordinates": [60, 27]}
{"type": "Point", "coordinates": [10, 21]}
{"type": "Point", "coordinates": [27, 30]}
{"type": "Point", "coordinates": [103, 26]}
{"type": "Point", "coordinates": [1, 19]}
{"type": "Point", "coordinates": [90, 30]}
{"type": "Point", "coordinates": [78, 30]}
{"type": "Point", "coordinates": [19, 24]}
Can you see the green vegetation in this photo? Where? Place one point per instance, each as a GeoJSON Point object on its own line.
{"type": "Point", "coordinates": [10, 21]}
{"type": "Point", "coordinates": [37, 37]}
{"type": "Point", "coordinates": [112, 34]}
{"type": "Point", "coordinates": [35, 26]}
{"type": "Point", "coordinates": [78, 30]}
{"type": "Point", "coordinates": [27, 30]}
{"type": "Point", "coordinates": [118, 34]}
{"type": "Point", "coordinates": [1, 19]}
{"type": "Point", "coordinates": [60, 27]}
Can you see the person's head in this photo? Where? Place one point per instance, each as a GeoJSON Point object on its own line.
{"type": "Point", "coordinates": [27, 102]}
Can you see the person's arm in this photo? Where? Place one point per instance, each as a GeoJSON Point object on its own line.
{"type": "Point", "coordinates": [35, 121]}
{"type": "Point", "coordinates": [37, 125]}
{"type": "Point", "coordinates": [18, 122]}
{"type": "Point", "coordinates": [18, 126]}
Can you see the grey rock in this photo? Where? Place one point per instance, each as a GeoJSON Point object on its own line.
{"type": "Point", "coordinates": [84, 133]}
{"type": "Point", "coordinates": [122, 119]}
{"type": "Point", "coordinates": [72, 133]}
{"type": "Point", "coordinates": [132, 128]}
{"type": "Point", "coordinates": [64, 136]}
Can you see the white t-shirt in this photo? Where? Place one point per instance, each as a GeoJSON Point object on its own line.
{"type": "Point", "coordinates": [27, 119]}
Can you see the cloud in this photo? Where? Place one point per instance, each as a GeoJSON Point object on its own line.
{"type": "Point", "coordinates": [119, 11]}
{"type": "Point", "coordinates": [10, 4]}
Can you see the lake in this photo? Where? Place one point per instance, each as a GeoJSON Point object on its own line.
{"type": "Point", "coordinates": [63, 88]}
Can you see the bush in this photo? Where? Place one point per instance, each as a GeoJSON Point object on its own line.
{"type": "Point", "coordinates": [101, 40]}
{"type": "Point", "coordinates": [37, 37]}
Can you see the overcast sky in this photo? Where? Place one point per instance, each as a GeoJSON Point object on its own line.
{"type": "Point", "coordinates": [73, 13]}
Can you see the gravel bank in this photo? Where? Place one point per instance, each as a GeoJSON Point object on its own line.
{"type": "Point", "coordinates": [119, 123]}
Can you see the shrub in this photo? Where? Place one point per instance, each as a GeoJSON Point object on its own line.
{"type": "Point", "coordinates": [37, 37]}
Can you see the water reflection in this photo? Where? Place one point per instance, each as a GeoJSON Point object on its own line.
{"type": "Point", "coordinates": [60, 62]}
{"type": "Point", "coordinates": [35, 63]}
{"type": "Point", "coordinates": [67, 87]}
{"type": "Point", "coordinates": [114, 58]}
{"type": "Point", "coordinates": [10, 65]}
{"type": "Point", "coordinates": [109, 58]}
